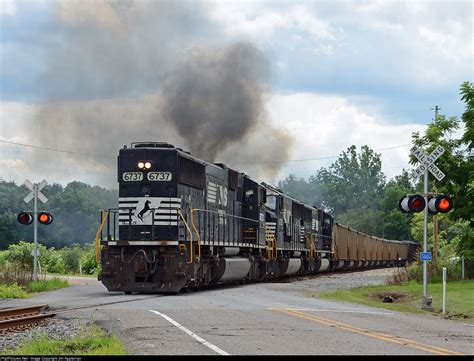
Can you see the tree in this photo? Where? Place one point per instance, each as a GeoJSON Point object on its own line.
{"type": "Point", "coordinates": [305, 191]}
{"type": "Point", "coordinates": [352, 189]}
{"type": "Point", "coordinates": [396, 223]}
{"type": "Point", "coordinates": [457, 163]}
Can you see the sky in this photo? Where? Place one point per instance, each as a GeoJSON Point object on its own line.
{"type": "Point", "coordinates": [271, 88]}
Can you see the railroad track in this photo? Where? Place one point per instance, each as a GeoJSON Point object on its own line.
{"type": "Point", "coordinates": [22, 318]}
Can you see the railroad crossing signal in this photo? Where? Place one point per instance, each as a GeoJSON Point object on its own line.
{"type": "Point", "coordinates": [25, 218]}
{"type": "Point", "coordinates": [41, 217]}
{"type": "Point", "coordinates": [412, 203]}
{"type": "Point", "coordinates": [440, 204]}
{"type": "Point", "coordinates": [39, 187]}
{"type": "Point", "coordinates": [28, 217]}
{"type": "Point", "coordinates": [427, 162]}
{"type": "Point", "coordinates": [45, 218]}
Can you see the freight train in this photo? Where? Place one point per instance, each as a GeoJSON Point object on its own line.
{"type": "Point", "coordinates": [185, 223]}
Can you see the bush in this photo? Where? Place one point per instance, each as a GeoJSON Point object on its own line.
{"type": "Point", "coordinates": [54, 262]}
{"type": "Point", "coordinates": [21, 255]}
{"type": "Point", "coordinates": [12, 291]}
{"type": "Point", "coordinates": [435, 271]}
{"type": "Point", "coordinates": [72, 258]}
{"type": "Point", "coordinates": [88, 262]}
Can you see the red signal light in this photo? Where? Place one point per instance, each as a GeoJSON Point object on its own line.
{"type": "Point", "coordinates": [45, 218]}
{"type": "Point", "coordinates": [440, 204]}
{"type": "Point", "coordinates": [25, 218]}
{"type": "Point", "coordinates": [413, 203]}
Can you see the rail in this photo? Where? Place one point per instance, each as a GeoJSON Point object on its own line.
{"type": "Point", "coordinates": [19, 319]}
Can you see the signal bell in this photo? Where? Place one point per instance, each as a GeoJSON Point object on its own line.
{"type": "Point", "coordinates": [410, 204]}
{"type": "Point", "coordinates": [25, 218]}
{"type": "Point", "coordinates": [45, 218]}
{"type": "Point", "coordinates": [440, 204]}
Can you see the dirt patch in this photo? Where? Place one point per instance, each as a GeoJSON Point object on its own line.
{"type": "Point", "coordinates": [394, 296]}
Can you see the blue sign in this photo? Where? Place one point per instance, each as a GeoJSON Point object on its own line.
{"type": "Point", "coordinates": [425, 256]}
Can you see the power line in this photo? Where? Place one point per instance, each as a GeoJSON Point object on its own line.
{"type": "Point", "coordinates": [111, 171]}
{"type": "Point", "coordinates": [311, 159]}
{"type": "Point", "coordinates": [235, 163]}
{"type": "Point", "coordinates": [58, 150]}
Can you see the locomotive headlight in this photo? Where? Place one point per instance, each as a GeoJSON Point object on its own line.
{"type": "Point", "coordinates": [141, 165]}
{"type": "Point", "coordinates": [147, 165]}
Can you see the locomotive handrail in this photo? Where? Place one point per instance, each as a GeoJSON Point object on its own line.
{"type": "Point", "coordinates": [190, 236]}
{"type": "Point", "coordinates": [197, 232]}
{"type": "Point", "coordinates": [195, 210]}
{"type": "Point", "coordinates": [103, 215]}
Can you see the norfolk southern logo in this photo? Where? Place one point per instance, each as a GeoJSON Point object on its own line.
{"type": "Point", "coordinates": [143, 211]}
{"type": "Point", "coordinates": [216, 194]}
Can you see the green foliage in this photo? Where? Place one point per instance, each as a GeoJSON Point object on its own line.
{"type": "Point", "coordinates": [435, 270]}
{"type": "Point", "coordinates": [459, 300]}
{"type": "Point", "coordinates": [66, 260]}
{"type": "Point", "coordinates": [92, 341]}
{"type": "Point", "coordinates": [21, 254]}
{"type": "Point", "coordinates": [54, 262]}
{"type": "Point", "coordinates": [467, 92]}
{"type": "Point", "coordinates": [75, 209]}
{"type": "Point", "coordinates": [88, 261]}
{"type": "Point", "coordinates": [305, 191]}
{"type": "Point", "coordinates": [458, 164]}
{"type": "Point", "coordinates": [72, 258]}
{"type": "Point", "coordinates": [352, 189]}
{"type": "Point", "coordinates": [46, 285]}
{"type": "Point", "coordinates": [12, 291]}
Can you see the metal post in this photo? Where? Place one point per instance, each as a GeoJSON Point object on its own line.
{"type": "Point", "coordinates": [426, 301]}
{"type": "Point", "coordinates": [462, 267]}
{"type": "Point", "coordinates": [444, 290]}
{"type": "Point", "coordinates": [35, 231]}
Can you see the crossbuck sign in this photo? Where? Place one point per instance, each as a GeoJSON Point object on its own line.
{"type": "Point", "coordinates": [39, 187]}
{"type": "Point", "coordinates": [427, 162]}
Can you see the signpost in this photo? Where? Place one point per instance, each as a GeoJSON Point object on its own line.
{"type": "Point", "coordinates": [426, 165]}
{"type": "Point", "coordinates": [35, 194]}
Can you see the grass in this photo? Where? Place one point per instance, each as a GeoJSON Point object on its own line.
{"type": "Point", "coordinates": [92, 341]}
{"type": "Point", "coordinates": [46, 285]}
{"type": "Point", "coordinates": [12, 291]}
{"type": "Point", "coordinates": [407, 297]}
{"type": "Point", "coordinates": [16, 291]}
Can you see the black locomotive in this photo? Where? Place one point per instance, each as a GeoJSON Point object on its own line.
{"type": "Point", "coordinates": [184, 223]}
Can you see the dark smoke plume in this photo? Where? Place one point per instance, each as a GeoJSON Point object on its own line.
{"type": "Point", "coordinates": [215, 97]}
{"type": "Point", "coordinates": [145, 71]}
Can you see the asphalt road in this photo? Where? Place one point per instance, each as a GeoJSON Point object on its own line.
{"type": "Point", "coordinates": [257, 319]}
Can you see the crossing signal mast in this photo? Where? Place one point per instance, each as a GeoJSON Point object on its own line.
{"type": "Point", "coordinates": [35, 216]}
{"type": "Point", "coordinates": [429, 202]}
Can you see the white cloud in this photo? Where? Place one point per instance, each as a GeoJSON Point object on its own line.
{"type": "Point", "coordinates": [393, 41]}
{"type": "Point", "coordinates": [325, 126]}
{"type": "Point", "coordinates": [8, 7]}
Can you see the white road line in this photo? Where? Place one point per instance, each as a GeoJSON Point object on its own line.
{"type": "Point", "coordinates": [192, 334]}
{"type": "Point", "coordinates": [346, 311]}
